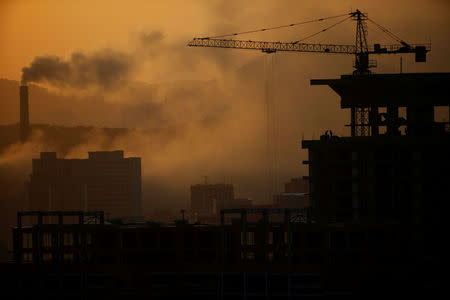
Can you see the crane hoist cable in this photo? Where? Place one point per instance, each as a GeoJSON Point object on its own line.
{"type": "Point", "coordinates": [389, 33]}
{"type": "Point", "coordinates": [273, 28]}
{"type": "Point", "coordinates": [323, 30]}
{"type": "Point", "coordinates": [360, 48]}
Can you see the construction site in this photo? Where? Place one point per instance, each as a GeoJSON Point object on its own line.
{"type": "Point", "coordinates": [372, 224]}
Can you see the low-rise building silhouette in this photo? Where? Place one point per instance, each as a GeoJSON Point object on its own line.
{"type": "Point", "coordinates": [251, 257]}
{"type": "Point", "coordinates": [209, 199]}
{"type": "Point", "coordinates": [295, 195]}
{"type": "Point", "coordinates": [297, 185]}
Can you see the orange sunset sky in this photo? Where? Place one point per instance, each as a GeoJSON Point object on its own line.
{"type": "Point", "coordinates": [29, 28]}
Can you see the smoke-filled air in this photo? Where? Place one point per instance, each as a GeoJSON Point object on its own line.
{"type": "Point", "coordinates": [104, 68]}
{"type": "Point", "coordinates": [190, 112]}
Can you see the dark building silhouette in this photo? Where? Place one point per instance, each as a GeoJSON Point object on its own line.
{"type": "Point", "coordinates": [297, 185]}
{"type": "Point", "coordinates": [375, 227]}
{"type": "Point", "coordinates": [24, 113]}
{"type": "Point", "coordinates": [393, 168]}
{"type": "Point", "coordinates": [281, 259]}
{"type": "Point", "coordinates": [105, 181]}
{"type": "Point", "coordinates": [208, 199]}
{"type": "Point", "coordinates": [291, 200]}
{"type": "Point", "coordinates": [295, 195]}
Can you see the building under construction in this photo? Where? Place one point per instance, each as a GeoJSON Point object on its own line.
{"type": "Point", "coordinates": [375, 228]}
{"type": "Point", "coordinates": [393, 167]}
{"type": "Point", "coordinates": [81, 256]}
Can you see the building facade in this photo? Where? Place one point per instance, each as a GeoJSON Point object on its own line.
{"type": "Point", "coordinates": [209, 199]}
{"type": "Point", "coordinates": [297, 185]}
{"type": "Point", "coordinates": [395, 165]}
{"type": "Point", "coordinates": [247, 259]}
{"type": "Point", "coordinates": [105, 181]}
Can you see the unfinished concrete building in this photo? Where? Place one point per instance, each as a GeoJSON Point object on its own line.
{"type": "Point", "coordinates": [246, 259]}
{"type": "Point", "coordinates": [395, 165]}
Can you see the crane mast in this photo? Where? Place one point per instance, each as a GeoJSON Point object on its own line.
{"type": "Point", "coordinates": [361, 49]}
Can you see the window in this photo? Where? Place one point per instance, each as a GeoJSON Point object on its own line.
{"type": "Point", "coordinates": [68, 239]}
{"type": "Point", "coordinates": [188, 256]}
{"type": "Point", "coordinates": [106, 240]}
{"type": "Point", "coordinates": [376, 238]}
{"type": "Point", "coordinates": [89, 239]}
{"type": "Point", "coordinates": [278, 237]}
{"type": "Point", "coordinates": [357, 239]}
{"type": "Point", "coordinates": [129, 240]}
{"type": "Point", "coordinates": [27, 257]}
{"type": "Point", "coordinates": [271, 255]}
{"type": "Point", "coordinates": [314, 258]}
{"type": "Point", "coordinates": [166, 239]}
{"type": "Point", "coordinates": [355, 202]}
{"type": "Point", "coordinates": [251, 255]}
{"type": "Point", "coordinates": [47, 257]}
{"type": "Point", "coordinates": [47, 240]}
{"type": "Point", "coordinates": [337, 239]}
{"type": "Point", "coordinates": [206, 239]}
{"type": "Point", "coordinates": [148, 239]}
{"type": "Point", "coordinates": [68, 257]}
{"type": "Point", "coordinates": [315, 239]}
{"type": "Point", "coordinates": [339, 258]}
{"type": "Point", "coordinates": [254, 282]}
{"type": "Point", "coordinates": [107, 259]}
{"type": "Point", "coordinates": [250, 238]}
{"type": "Point", "coordinates": [27, 239]}
{"type": "Point", "coordinates": [230, 239]}
{"type": "Point", "coordinates": [207, 256]}
{"type": "Point", "coordinates": [296, 239]}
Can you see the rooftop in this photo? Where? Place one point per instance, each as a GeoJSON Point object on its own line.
{"type": "Point", "coordinates": [384, 89]}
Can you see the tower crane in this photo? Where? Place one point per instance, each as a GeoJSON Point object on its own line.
{"type": "Point", "coordinates": [361, 50]}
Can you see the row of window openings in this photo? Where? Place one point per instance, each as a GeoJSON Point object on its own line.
{"type": "Point", "coordinates": [355, 188]}
{"type": "Point", "coordinates": [48, 239]}
{"type": "Point", "coordinates": [251, 256]}
{"type": "Point", "coordinates": [27, 257]}
{"type": "Point", "coordinates": [379, 155]}
{"type": "Point", "coordinates": [314, 239]}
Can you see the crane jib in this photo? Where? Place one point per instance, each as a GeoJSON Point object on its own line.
{"type": "Point", "coordinates": [271, 47]}
{"type": "Point", "coordinates": [360, 49]}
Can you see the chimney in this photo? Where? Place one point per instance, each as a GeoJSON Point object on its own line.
{"type": "Point", "coordinates": [24, 114]}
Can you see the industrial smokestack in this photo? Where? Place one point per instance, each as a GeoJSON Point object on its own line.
{"type": "Point", "coordinates": [24, 114]}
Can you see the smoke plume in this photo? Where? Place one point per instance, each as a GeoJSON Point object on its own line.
{"type": "Point", "coordinates": [103, 68]}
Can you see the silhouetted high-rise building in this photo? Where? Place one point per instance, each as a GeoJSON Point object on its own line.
{"type": "Point", "coordinates": [105, 181]}
{"type": "Point", "coordinates": [395, 165]}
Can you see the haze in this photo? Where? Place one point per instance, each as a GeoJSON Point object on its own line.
{"type": "Point", "coordinates": [212, 100]}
